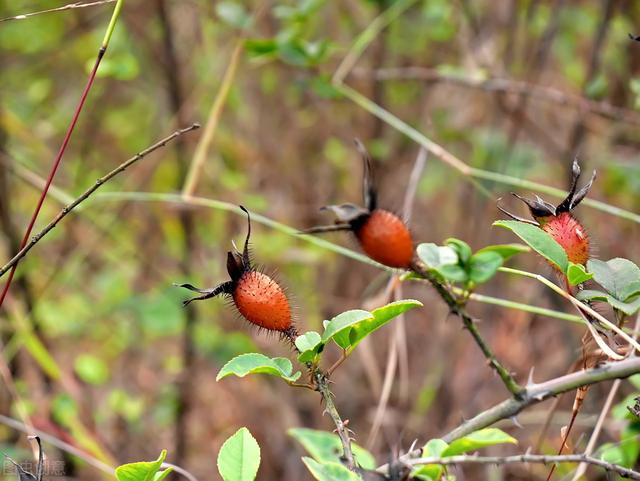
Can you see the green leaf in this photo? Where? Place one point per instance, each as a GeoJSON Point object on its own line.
{"type": "Point", "coordinates": [461, 247]}
{"type": "Point", "coordinates": [233, 14]}
{"type": "Point", "coordinates": [507, 251]}
{"type": "Point", "coordinates": [453, 273]}
{"type": "Point", "coordinates": [261, 48]}
{"type": "Point", "coordinates": [483, 266]}
{"type": "Point", "coordinates": [91, 369]}
{"type": "Point", "coordinates": [239, 457]}
{"type": "Point", "coordinates": [339, 327]}
{"type": "Point", "coordinates": [434, 256]}
{"type": "Point", "coordinates": [309, 344]}
{"type": "Point", "coordinates": [255, 363]}
{"type": "Point", "coordinates": [431, 472]}
{"type": "Point", "coordinates": [143, 471]}
{"type": "Point", "coordinates": [381, 316]}
{"type": "Point", "coordinates": [330, 471]}
{"type": "Point", "coordinates": [620, 277]}
{"type": "Point", "coordinates": [577, 274]}
{"type": "Point", "coordinates": [477, 440]}
{"type": "Point", "coordinates": [538, 240]}
{"type": "Point", "coordinates": [629, 308]}
{"type": "Point", "coordinates": [326, 447]}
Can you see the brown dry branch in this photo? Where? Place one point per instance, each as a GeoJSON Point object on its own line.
{"type": "Point", "coordinates": [322, 386]}
{"type": "Point", "coordinates": [457, 307]}
{"type": "Point", "coordinates": [529, 458]}
{"type": "Point", "coordinates": [69, 6]}
{"type": "Point", "coordinates": [535, 393]}
{"type": "Point", "coordinates": [508, 86]}
{"type": "Point", "coordinates": [102, 180]}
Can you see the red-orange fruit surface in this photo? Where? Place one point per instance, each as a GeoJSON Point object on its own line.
{"type": "Point", "coordinates": [385, 238]}
{"type": "Point", "coordinates": [262, 301]}
{"type": "Point", "coordinates": [568, 232]}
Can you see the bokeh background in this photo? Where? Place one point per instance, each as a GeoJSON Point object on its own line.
{"type": "Point", "coordinates": [96, 348]}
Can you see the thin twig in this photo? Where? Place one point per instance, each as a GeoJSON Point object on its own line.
{"type": "Point", "coordinates": [86, 457]}
{"type": "Point", "coordinates": [527, 458]}
{"type": "Point", "coordinates": [102, 180]}
{"type": "Point", "coordinates": [322, 385]}
{"type": "Point", "coordinates": [506, 85]}
{"type": "Point", "coordinates": [536, 393]}
{"type": "Point", "coordinates": [67, 137]}
{"type": "Point", "coordinates": [70, 6]}
{"type": "Point", "coordinates": [582, 467]}
{"type": "Point", "coordinates": [581, 307]}
{"type": "Point", "coordinates": [459, 310]}
{"type": "Point", "coordinates": [202, 149]}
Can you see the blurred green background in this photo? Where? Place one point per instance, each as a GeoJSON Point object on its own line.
{"type": "Point", "coordinates": [97, 349]}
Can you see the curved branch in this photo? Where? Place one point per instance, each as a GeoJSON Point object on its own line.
{"type": "Point", "coordinates": [529, 458]}
{"type": "Point", "coordinates": [67, 209]}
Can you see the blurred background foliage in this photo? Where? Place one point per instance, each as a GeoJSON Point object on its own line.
{"type": "Point", "coordinates": [96, 345]}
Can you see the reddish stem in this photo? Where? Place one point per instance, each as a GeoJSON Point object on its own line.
{"type": "Point", "coordinates": [55, 166]}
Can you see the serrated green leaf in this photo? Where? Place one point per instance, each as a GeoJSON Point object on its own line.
{"type": "Point", "coordinates": [309, 344]}
{"type": "Point", "coordinates": [329, 471]}
{"type": "Point", "coordinates": [577, 274]}
{"type": "Point", "coordinates": [507, 251]}
{"type": "Point", "coordinates": [461, 248]}
{"type": "Point", "coordinates": [381, 316]}
{"type": "Point", "coordinates": [339, 327]}
{"type": "Point", "coordinates": [434, 256]}
{"type": "Point", "coordinates": [326, 447]}
{"type": "Point", "coordinates": [478, 439]}
{"type": "Point", "coordinates": [629, 308]}
{"type": "Point", "coordinates": [431, 472]}
{"type": "Point", "coordinates": [539, 241]}
{"type": "Point", "coordinates": [255, 363]}
{"type": "Point", "coordinates": [620, 277]}
{"type": "Point", "coordinates": [144, 470]}
{"type": "Point", "coordinates": [483, 266]}
{"type": "Point", "coordinates": [239, 457]}
{"type": "Point", "coordinates": [453, 273]}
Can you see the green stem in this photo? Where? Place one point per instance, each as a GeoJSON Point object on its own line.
{"type": "Point", "coordinates": [580, 306]}
{"type": "Point", "coordinates": [470, 173]}
{"type": "Point", "coordinates": [112, 23]}
{"type": "Point", "coordinates": [368, 35]}
{"type": "Point", "coordinates": [524, 307]}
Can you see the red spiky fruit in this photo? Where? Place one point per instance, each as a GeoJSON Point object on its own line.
{"type": "Point", "coordinates": [385, 238]}
{"type": "Point", "coordinates": [262, 301]}
{"type": "Point", "coordinates": [259, 298]}
{"type": "Point", "coordinates": [567, 231]}
{"type": "Point", "coordinates": [559, 222]}
{"type": "Point", "coordinates": [382, 235]}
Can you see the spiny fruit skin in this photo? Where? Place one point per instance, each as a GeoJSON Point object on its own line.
{"type": "Point", "coordinates": [385, 238]}
{"type": "Point", "coordinates": [382, 235]}
{"type": "Point", "coordinates": [262, 301]}
{"type": "Point", "coordinates": [259, 298]}
{"type": "Point", "coordinates": [567, 231]}
{"type": "Point", "coordinates": [558, 221]}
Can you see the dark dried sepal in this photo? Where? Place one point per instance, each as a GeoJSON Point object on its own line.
{"type": "Point", "coordinates": [538, 207]}
{"type": "Point", "coordinates": [23, 474]}
{"type": "Point", "coordinates": [574, 198]}
{"type": "Point", "coordinates": [369, 194]}
{"type": "Point", "coordinates": [514, 216]}
{"type": "Point", "coordinates": [224, 288]}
